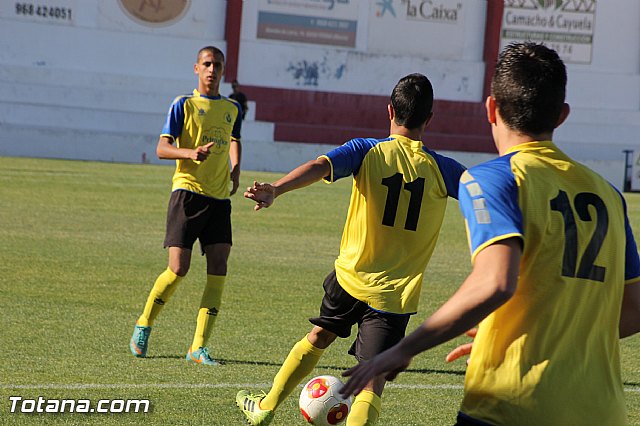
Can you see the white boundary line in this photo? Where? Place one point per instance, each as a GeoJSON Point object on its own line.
{"type": "Point", "coordinates": [79, 386]}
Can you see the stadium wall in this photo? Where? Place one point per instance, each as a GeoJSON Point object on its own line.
{"type": "Point", "coordinates": [93, 79]}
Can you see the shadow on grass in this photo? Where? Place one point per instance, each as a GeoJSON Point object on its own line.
{"type": "Point", "coordinates": [342, 368]}
{"type": "Point", "coordinates": [434, 371]}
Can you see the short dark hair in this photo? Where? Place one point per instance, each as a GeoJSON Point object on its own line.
{"type": "Point", "coordinates": [529, 87]}
{"type": "Point", "coordinates": [412, 100]}
{"type": "Point", "coordinates": [214, 50]}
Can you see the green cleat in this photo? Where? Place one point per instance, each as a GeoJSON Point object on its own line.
{"type": "Point", "coordinates": [249, 404]}
{"type": "Point", "coordinates": [201, 356]}
{"type": "Point", "coordinates": [139, 341]}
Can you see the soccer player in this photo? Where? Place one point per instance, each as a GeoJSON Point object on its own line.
{"type": "Point", "coordinates": [398, 201]}
{"type": "Point", "coordinates": [205, 128]}
{"type": "Point", "coordinates": [556, 273]}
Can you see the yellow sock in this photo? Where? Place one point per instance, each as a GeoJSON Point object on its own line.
{"type": "Point", "coordinates": [299, 363]}
{"type": "Point", "coordinates": [209, 308]}
{"type": "Point", "coordinates": [163, 288]}
{"type": "Point", "coordinates": [365, 409]}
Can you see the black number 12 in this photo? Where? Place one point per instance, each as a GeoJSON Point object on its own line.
{"type": "Point", "coordinates": [587, 268]}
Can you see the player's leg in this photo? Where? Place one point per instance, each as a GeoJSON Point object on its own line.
{"type": "Point", "coordinates": [367, 405]}
{"type": "Point", "coordinates": [303, 357]}
{"type": "Point", "coordinates": [211, 301]}
{"type": "Point", "coordinates": [162, 290]}
{"type": "Point", "coordinates": [300, 362]}
{"type": "Point", "coordinates": [179, 240]}
{"type": "Point", "coordinates": [166, 284]}
{"type": "Point", "coordinates": [377, 332]}
{"type": "Point", "coordinates": [338, 312]}
{"type": "Point", "coordinates": [215, 240]}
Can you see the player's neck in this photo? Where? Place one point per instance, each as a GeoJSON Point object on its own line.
{"type": "Point", "coordinates": [506, 138]}
{"type": "Point", "coordinates": [509, 138]}
{"type": "Point", "coordinates": [413, 134]}
{"type": "Point", "coordinates": [209, 90]}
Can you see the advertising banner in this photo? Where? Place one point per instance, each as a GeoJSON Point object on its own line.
{"type": "Point", "coordinates": [426, 28]}
{"type": "Point", "coordinates": [567, 26]}
{"type": "Point", "coordinates": [324, 22]}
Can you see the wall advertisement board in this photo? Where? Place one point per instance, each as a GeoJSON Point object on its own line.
{"type": "Point", "coordinates": [565, 25]}
{"type": "Point", "coordinates": [325, 22]}
{"type": "Point", "coordinates": [427, 28]}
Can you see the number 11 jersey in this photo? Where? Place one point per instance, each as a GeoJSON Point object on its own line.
{"type": "Point", "coordinates": [398, 200]}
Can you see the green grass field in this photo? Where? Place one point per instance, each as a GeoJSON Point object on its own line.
{"type": "Point", "coordinates": [81, 243]}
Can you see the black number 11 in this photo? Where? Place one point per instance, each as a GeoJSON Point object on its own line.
{"type": "Point", "coordinates": [416, 188]}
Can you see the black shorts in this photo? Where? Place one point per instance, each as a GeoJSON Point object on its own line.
{"type": "Point", "coordinates": [464, 420]}
{"type": "Point", "coordinates": [377, 331]}
{"type": "Point", "coordinates": [192, 217]}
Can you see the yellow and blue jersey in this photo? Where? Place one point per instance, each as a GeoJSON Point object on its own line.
{"type": "Point", "coordinates": [196, 120]}
{"type": "Point", "coordinates": [550, 355]}
{"type": "Point", "coordinates": [398, 200]}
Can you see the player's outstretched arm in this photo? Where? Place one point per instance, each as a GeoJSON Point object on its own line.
{"type": "Point", "coordinates": [492, 282]}
{"type": "Point", "coordinates": [264, 194]}
{"type": "Point", "coordinates": [388, 364]}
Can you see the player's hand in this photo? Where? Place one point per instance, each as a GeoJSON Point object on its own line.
{"type": "Point", "coordinates": [389, 364]}
{"type": "Point", "coordinates": [462, 350]}
{"type": "Point", "coordinates": [202, 152]}
{"type": "Point", "coordinates": [235, 179]}
{"type": "Point", "coordinates": [264, 194]}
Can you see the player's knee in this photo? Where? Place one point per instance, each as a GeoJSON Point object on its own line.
{"type": "Point", "coordinates": [217, 266]}
{"type": "Point", "coordinates": [217, 270]}
{"type": "Point", "coordinates": [180, 270]}
{"type": "Point", "coordinates": [321, 338]}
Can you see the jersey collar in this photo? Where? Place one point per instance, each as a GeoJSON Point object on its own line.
{"type": "Point", "coordinates": [397, 136]}
{"type": "Point", "coordinates": [529, 145]}
{"type": "Point", "coordinates": [196, 93]}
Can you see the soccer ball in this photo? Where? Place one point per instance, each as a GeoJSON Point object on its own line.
{"type": "Point", "coordinates": [321, 403]}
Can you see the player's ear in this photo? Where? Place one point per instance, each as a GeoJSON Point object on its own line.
{"type": "Point", "coordinates": [391, 112]}
{"type": "Point", "coordinates": [563, 114]}
{"type": "Point", "coordinates": [490, 105]}
{"type": "Point", "coordinates": [195, 68]}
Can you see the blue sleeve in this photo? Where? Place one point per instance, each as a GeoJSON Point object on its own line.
{"type": "Point", "coordinates": [450, 170]}
{"type": "Point", "coordinates": [632, 260]}
{"type": "Point", "coordinates": [346, 159]}
{"type": "Point", "coordinates": [237, 126]}
{"type": "Point", "coordinates": [175, 118]}
{"type": "Point", "coordinates": [488, 197]}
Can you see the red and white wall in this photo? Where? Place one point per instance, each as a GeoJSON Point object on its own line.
{"type": "Point", "coordinates": [92, 79]}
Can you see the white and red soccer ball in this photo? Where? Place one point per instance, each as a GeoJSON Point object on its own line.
{"type": "Point", "coordinates": [321, 403]}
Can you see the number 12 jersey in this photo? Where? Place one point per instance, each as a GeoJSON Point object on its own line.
{"type": "Point", "coordinates": [550, 355]}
